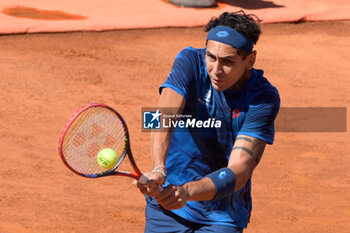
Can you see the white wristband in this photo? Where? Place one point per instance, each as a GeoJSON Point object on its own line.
{"type": "Point", "coordinates": [157, 169]}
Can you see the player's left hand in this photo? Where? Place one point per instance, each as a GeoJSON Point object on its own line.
{"type": "Point", "coordinates": [173, 197]}
{"type": "Point", "coordinates": [153, 186]}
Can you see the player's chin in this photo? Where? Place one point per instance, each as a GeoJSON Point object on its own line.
{"type": "Point", "coordinates": [219, 87]}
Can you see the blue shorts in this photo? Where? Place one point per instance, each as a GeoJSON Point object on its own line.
{"type": "Point", "coordinates": [159, 220]}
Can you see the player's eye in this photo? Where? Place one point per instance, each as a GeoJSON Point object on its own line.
{"type": "Point", "coordinates": [211, 57]}
{"type": "Point", "coordinates": [228, 62]}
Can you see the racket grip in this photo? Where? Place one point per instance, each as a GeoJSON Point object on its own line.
{"type": "Point", "coordinates": [144, 179]}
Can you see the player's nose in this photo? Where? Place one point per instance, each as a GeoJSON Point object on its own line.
{"type": "Point", "coordinates": [217, 68]}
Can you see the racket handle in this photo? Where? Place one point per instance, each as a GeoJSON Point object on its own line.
{"type": "Point", "coordinates": [144, 179]}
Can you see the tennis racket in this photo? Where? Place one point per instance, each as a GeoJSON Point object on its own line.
{"type": "Point", "coordinates": [92, 128]}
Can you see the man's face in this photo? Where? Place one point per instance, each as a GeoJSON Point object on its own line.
{"type": "Point", "coordinates": [225, 66]}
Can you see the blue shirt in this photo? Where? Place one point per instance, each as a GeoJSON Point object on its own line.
{"type": "Point", "coordinates": [194, 153]}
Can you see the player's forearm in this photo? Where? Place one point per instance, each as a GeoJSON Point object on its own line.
{"type": "Point", "coordinates": [160, 144]}
{"type": "Point", "coordinates": [205, 189]}
{"type": "Point", "coordinates": [243, 173]}
{"type": "Point", "coordinates": [245, 156]}
{"type": "Point", "coordinates": [170, 103]}
{"type": "Point", "coordinates": [200, 190]}
{"type": "Point", "coordinates": [243, 161]}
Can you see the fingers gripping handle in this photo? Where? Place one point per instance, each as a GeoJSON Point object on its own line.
{"type": "Point", "coordinates": [144, 180]}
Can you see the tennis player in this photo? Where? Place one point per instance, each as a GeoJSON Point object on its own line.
{"type": "Point", "coordinates": [206, 172]}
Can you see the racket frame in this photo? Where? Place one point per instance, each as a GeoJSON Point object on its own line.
{"type": "Point", "coordinates": [126, 151]}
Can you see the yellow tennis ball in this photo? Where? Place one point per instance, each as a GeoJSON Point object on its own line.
{"type": "Point", "coordinates": [107, 158]}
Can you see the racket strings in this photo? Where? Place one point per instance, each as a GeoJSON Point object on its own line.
{"type": "Point", "coordinates": [76, 156]}
{"type": "Point", "coordinates": [95, 129]}
{"type": "Point", "coordinates": [89, 166]}
{"type": "Point", "coordinates": [97, 136]}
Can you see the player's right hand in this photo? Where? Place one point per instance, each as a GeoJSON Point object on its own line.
{"type": "Point", "coordinates": [154, 184]}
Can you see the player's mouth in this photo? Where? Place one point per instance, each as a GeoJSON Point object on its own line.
{"type": "Point", "coordinates": [217, 81]}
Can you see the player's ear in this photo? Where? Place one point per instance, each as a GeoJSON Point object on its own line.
{"type": "Point", "coordinates": [251, 60]}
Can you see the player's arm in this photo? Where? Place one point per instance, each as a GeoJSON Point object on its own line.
{"type": "Point", "coordinates": [245, 156]}
{"type": "Point", "coordinates": [171, 103]}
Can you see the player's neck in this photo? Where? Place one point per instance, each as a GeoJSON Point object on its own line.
{"type": "Point", "coordinates": [240, 83]}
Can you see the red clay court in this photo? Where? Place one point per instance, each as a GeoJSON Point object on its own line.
{"type": "Point", "coordinates": [302, 183]}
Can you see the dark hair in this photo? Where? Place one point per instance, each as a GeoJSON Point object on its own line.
{"type": "Point", "coordinates": [240, 21]}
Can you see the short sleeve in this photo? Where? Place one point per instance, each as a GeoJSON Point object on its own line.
{"type": "Point", "coordinates": [183, 72]}
{"type": "Point", "coordinates": [260, 117]}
